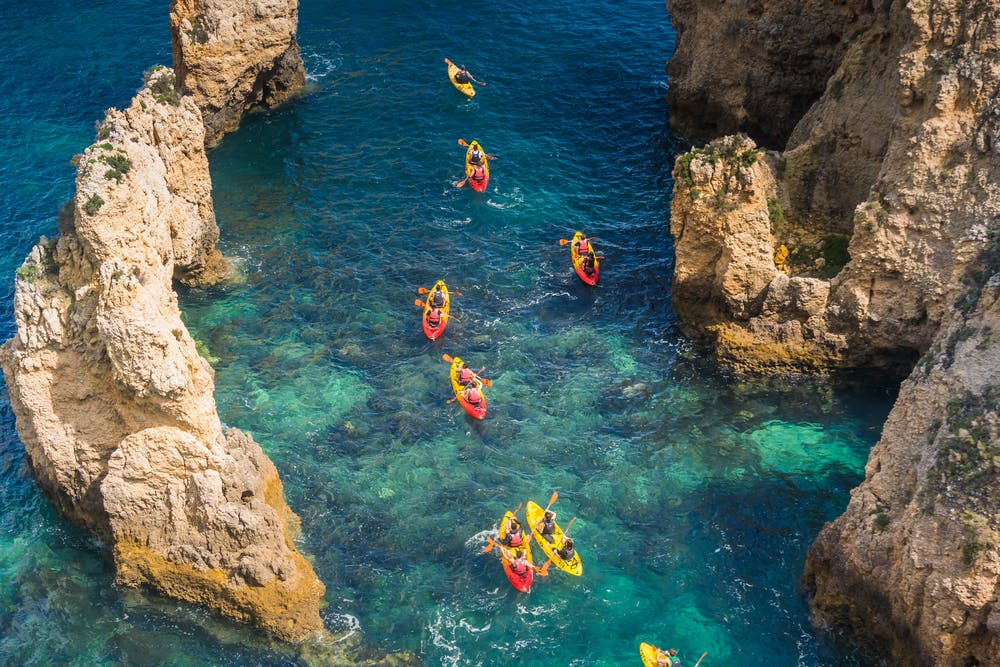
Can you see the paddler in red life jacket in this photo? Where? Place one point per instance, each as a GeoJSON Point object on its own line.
{"type": "Point", "coordinates": [582, 247]}
{"type": "Point", "coordinates": [433, 318]}
{"type": "Point", "coordinates": [478, 175]}
{"type": "Point", "coordinates": [520, 564]}
{"type": "Point", "coordinates": [512, 537]}
{"type": "Point", "coordinates": [465, 375]}
{"type": "Point", "coordinates": [473, 393]}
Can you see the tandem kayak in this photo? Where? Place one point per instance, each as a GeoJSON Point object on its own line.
{"type": "Point", "coordinates": [521, 582]}
{"type": "Point", "coordinates": [476, 411]}
{"type": "Point", "coordinates": [464, 88]}
{"type": "Point", "coordinates": [478, 175]}
{"type": "Point", "coordinates": [588, 276]}
{"type": "Point", "coordinates": [430, 330]}
{"type": "Point", "coordinates": [533, 515]}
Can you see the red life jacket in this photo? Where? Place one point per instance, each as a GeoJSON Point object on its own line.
{"type": "Point", "coordinates": [478, 174]}
{"type": "Point", "coordinates": [582, 247]}
{"type": "Point", "coordinates": [434, 317]}
{"type": "Point", "coordinates": [520, 567]}
{"type": "Point", "coordinates": [464, 376]}
{"type": "Point", "coordinates": [515, 538]}
{"type": "Point", "coordinates": [472, 396]}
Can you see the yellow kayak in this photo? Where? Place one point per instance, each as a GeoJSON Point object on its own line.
{"type": "Point", "coordinates": [464, 88]}
{"type": "Point", "coordinates": [533, 515]}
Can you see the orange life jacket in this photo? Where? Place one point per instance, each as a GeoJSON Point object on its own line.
{"type": "Point", "coordinates": [472, 396]}
{"type": "Point", "coordinates": [464, 376]}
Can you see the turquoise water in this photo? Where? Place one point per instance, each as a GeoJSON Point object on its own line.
{"type": "Point", "coordinates": [696, 492]}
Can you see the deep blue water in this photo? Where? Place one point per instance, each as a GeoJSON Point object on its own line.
{"type": "Point", "coordinates": [697, 492]}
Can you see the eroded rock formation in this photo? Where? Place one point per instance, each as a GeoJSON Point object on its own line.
{"type": "Point", "coordinates": [113, 402]}
{"type": "Point", "coordinates": [901, 156]}
{"type": "Point", "coordinates": [915, 558]}
{"type": "Point", "coordinates": [231, 56]}
{"type": "Point", "coordinates": [870, 240]}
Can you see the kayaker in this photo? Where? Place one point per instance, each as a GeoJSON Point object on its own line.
{"type": "Point", "coordinates": [472, 392]}
{"type": "Point", "coordinates": [588, 263]}
{"type": "Point", "coordinates": [437, 298]}
{"type": "Point", "coordinates": [476, 156]}
{"type": "Point", "coordinates": [433, 318]}
{"type": "Point", "coordinates": [463, 75]}
{"type": "Point", "coordinates": [478, 175]}
{"type": "Point", "coordinates": [520, 563]}
{"type": "Point", "coordinates": [667, 658]}
{"type": "Point", "coordinates": [566, 551]}
{"type": "Point", "coordinates": [465, 375]}
{"type": "Point", "coordinates": [547, 525]}
{"type": "Point", "coordinates": [582, 247]}
{"type": "Point", "coordinates": [512, 536]}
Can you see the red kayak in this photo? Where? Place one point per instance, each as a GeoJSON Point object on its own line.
{"type": "Point", "coordinates": [521, 582]}
{"type": "Point", "coordinates": [586, 264]}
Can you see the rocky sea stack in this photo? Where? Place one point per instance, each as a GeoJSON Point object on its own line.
{"type": "Point", "coordinates": [857, 227]}
{"type": "Point", "coordinates": [232, 56]}
{"type": "Point", "coordinates": [115, 405]}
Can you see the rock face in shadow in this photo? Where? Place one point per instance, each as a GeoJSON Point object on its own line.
{"type": "Point", "coordinates": [231, 56]}
{"type": "Point", "coordinates": [915, 559]}
{"type": "Point", "coordinates": [896, 165]}
{"type": "Point", "coordinates": [871, 240]}
{"type": "Point", "coordinates": [113, 402]}
{"type": "Point", "coordinates": [755, 66]}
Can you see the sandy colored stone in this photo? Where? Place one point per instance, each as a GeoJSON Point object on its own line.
{"type": "Point", "coordinates": [901, 153]}
{"type": "Point", "coordinates": [114, 404]}
{"type": "Point", "coordinates": [231, 56]}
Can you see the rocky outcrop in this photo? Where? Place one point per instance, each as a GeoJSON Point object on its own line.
{"type": "Point", "coordinates": [901, 154]}
{"type": "Point", "coordinates": [914, 561]}
{"type": "Point", "coordinates": [755, 65]}
{"type": "Point", "coordinates": [231, 56]}
{"type": "Point", "coordinates": [113, 402]}
{"type": "Point", "coordinates": [869, 241]}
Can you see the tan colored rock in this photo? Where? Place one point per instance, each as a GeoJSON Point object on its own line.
{"type": "Point", "coordinates": [114, 404]}
{"type": "Point", "coordinates": [755, 66]}
{"type": "Point", "coordinates": [231, 56]}
{"type": "Point", "coordinates": [915, 559]}
{"type": "Point", "coordinates": [900, 152]}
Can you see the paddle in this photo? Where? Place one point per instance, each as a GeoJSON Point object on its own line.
{"type": "Point", "coordinates": [565, 241]}
{"type": "Point", "coordinates": [566, 532]}
{"type": "Point", "coordinates": [424, 290]}
{"type": "Point", "coordinates": [486, 381]}
{"type": "Point", "coordinates": [701, 658]}
{"type": "Point", "coordinates": [552, 500]}
{"type": "Point", "coordinates": [461, 142]}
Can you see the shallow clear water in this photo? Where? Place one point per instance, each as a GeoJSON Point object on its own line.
{"type": "Point", "coordinates": [697, 492]}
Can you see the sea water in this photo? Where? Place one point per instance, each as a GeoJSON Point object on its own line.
{"type": "Point", "coordinates": [696, 492]}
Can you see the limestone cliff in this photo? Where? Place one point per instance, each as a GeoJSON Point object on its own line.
{"type": "Point", "coordinates": [114, 404]}
{"type": "Point", "coordinates": [915, 559]}
{"type": "Point", "coordinates": [870, 240]}
{"type": "Point", "coordinates": [899, 156]}
{"type": "Point", "coordinates": [755, 65]}
{"type": "Point", "coordinates": [231, 56]}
